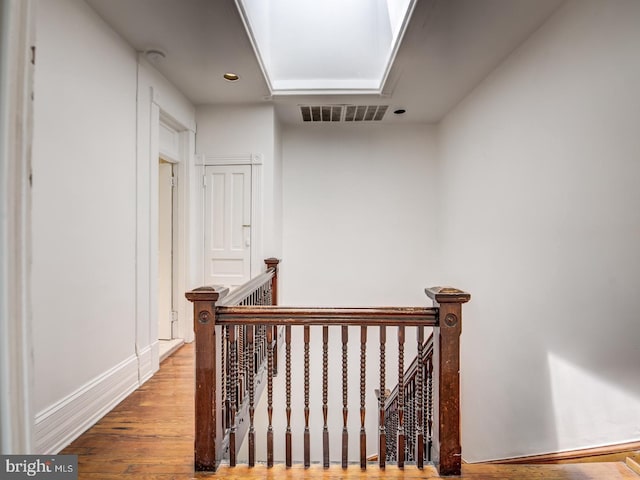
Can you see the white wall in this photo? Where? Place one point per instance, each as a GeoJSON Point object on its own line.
{"type": "Point", "coordinates": [358, 215]}
{"type": "Point", "coordinates": [277, 189]}
{"type": "Point", "coordinates": [540, 222]}
{"type": "Point", "coordinates": [95, 226]}
{"type": "Point", "coordinates": [83, 211]}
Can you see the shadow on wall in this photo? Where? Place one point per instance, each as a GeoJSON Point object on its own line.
{"type": "Point", "coordinates": [556, 385]}
{"type": "Point", "coordinates": [506, 387]}
{"type": "Point", "coordinates": [590, 406]}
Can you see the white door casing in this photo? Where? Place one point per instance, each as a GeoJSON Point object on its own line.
{"type": "Point", "coordinates": [165, 250]}
{"type": "Point", "coordinates": [159, 105]}
{"type": "Point", "coordinates": [227, 229]}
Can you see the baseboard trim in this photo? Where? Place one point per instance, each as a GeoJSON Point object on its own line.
{"type": "Point", "coordinates": [61, 423]}
{"type": "Point", "coordinates": [148, 361]}
{"type": "Point", "coordinates": [633, 465]}
{"type": "Point", "coordinates": [619, 448]}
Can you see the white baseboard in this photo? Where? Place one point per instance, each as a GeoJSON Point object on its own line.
{"type": "Point", "coordinates": [61, 423]}
{"type": "Point", "coordinates": [148, 361]}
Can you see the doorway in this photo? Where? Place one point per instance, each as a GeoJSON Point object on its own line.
{"type": "Point", "coordinates": [167, 315]}
{"type": "Point", "coordinates": [165, 250]}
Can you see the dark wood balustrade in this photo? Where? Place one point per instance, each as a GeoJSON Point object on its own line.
{"type": "Point", "coordinates": [417, 403]}
{"type": "Point", "coordinates": [220, 394]}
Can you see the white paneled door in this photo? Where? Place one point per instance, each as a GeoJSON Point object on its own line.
{"type": "Point", "coordinates": [227, 235]}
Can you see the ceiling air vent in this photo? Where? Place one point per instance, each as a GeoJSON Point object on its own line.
{"type": "Point", "coordinates": [342, 113]}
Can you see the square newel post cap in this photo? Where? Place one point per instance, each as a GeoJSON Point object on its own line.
{"type": "Point", "coordinates": [207, 294]}
{"type": "Point", "coordinates": [447, 295]}
{"type": "Point", "coordinates": [272, 262]}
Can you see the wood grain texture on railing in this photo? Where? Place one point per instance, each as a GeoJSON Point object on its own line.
{"type": "Point", "coordinates": [276, 315]}
{"type": "Point", "coordinates": [447, 451]}
{"type": "Point", "coordinates": [363, 390]}
{"type": "Point", "coordinates": [217, 389]}
{"type": "Point", "coordinates": [414, 382]}
{"type": "Point", "coordinates": [425, 409]}
{"type": "Point", "coordinates": [382, 440]}
{"type": "Point", "coordinates": [345, 393]}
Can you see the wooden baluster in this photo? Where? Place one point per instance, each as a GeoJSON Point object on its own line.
{"type": "Point", "coordinates": [272, 299]}
{"type": "Point", "coordinates": [269, 296]}
{"type": "Point", "coordinates": [275, 349]}
{"type": "Point", "coordinates": [307, 439]}
{"type": "Point", "coordinates": [252, 434]}
{"type": "Point", "coordinates": [345, 409]}
{"type": "Point", "coordinates": [275, 340]}
{"type": "Point", "coordinates": [409, 418]}
{"type": "Point", "coordinates": [224, 339]}
{"type": "Point", "coordinates": [391, 424]}
{"type": "Point", "coordinates": [241, 365]}
{"type": "Point", "coordinates": [363, 373]}
{"type": "Point", "coordinates": [446, 378]}
{"type": "Point", "coordinates": [264, 342]}
{"type": "Point", "coordinates": [382, 443]}
{"type": "Point", "coordinates": [419, 400]}
{"type": "Point", "coordinates": [233, 360]}
{"type": "Point", "coordinates": [260, 344]}
{"type": "Point", "coordinates": [270, 397]}
{"type": "Point", "coordinates": [400, 397]}
{"type": "Point", "coordinates": [287, 339]}
{"type": "Point", "coordinates": [429, 406]}
{"type": "Point", "coordinates": [325, 381]}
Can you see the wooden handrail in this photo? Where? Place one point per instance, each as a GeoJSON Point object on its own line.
{"type": "Point", "coordinates": [373, 316]}
{"type": "Point", "coordinates": [238, 295]}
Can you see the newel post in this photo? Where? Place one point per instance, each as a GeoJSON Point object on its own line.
{"type": "Point", "coordinates": [273, 263]}
{"type": "Point", "coordinates": [447, 451]}
{"type": "Point", "coordinates": [208, 398]}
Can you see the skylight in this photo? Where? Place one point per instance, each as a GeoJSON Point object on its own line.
{"type": "Point", "coordinates": [325, 46]}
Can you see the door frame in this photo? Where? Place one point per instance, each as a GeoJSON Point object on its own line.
{"type": "Point", "coordinates": [16, 120]}
{"type": "Point", "coordinates": [254, 160]}
{"type": "Point", "coordinates": [178, 156]}
{"type": "Point", "coordinates": [159, 103]}
{"type": "Point", "coordinates": [175, 253]}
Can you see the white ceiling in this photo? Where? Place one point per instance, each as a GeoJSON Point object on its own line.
{"type": "Point", "coordinates": [449, 47]}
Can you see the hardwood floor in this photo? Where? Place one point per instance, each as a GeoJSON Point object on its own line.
{"type": "Point", "coordinates": [149, 436]}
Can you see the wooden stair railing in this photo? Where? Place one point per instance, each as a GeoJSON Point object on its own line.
{"type": "Point", "coordinates": [219, 403]}
{"type": "Point", "coordinates": [213, 315]}
{"type": "Point", "coordinates": [418, 407]}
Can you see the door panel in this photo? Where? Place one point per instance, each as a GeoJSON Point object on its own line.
{"type": "Point", "coordinates": [227, 225]}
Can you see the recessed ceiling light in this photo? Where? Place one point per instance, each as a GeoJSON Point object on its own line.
{"type": "Point", "coordinates": [230, 76]}
{"type": "Point", "coordinates": [399, 111]}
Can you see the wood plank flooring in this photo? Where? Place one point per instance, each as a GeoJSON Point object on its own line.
{"type": "Point", "coordinates": [149, 436]}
